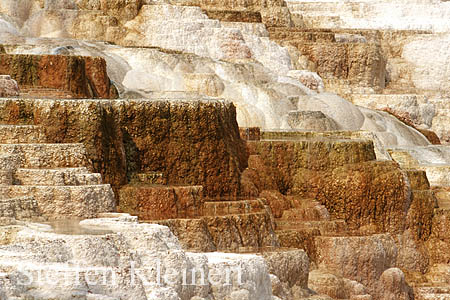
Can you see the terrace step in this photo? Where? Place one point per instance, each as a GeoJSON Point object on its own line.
{"type": "Point", "coordinates": [383, 100]}
{"type": "Point", "coordinates": [404, 158]}
{"type": "Point", "coordinates": [300, 238]}
{"type": "Point", "coordinates": [418, 179]}
{"type": "Point", "coordinates": [432, 293]}
{"type": "Point", "coordinates": [19, 208]}
{"type": "Point", "coordinates": [305, 135]}
{"type": "Point", "coordinates": [47, 155]}
{"type": "Point", "coordinates": [325, 227]}
{"type": "Point", "coordinates": [66, 176]}
{"type": "Point", "coordinates": [149, 178]}
{"type": "Point", "coordinates": [234, 15]}
{"type": "Point", "coordinates": [313, 213]}
{"type": "Point", "coordinates": [222, 208]}
{"type": "Point", "coordinates": [159, 202]}
{"type": "Point", "coordinates": [297, 34]}
{"type": "Point", "coordinates": [6, 177]}
{"type": "Point", "coordinates": [58, 202]}
{"type": "Point", "coordinates": [9, 162]}
{"type": "Point", "coordinates": [316, 153]}
{"type": "Point", "coordinates": [43, 93]}
{"type": "Point", "coordinates": [441, 104]}
{"type": "Point", "coordinates": [437, 173]}
{"type": "Point", "coordinates": [307, 219]}
{"type": "Point", "coordinates": [346, 87]}
{"type": "Point", "coordinates": [238, 231]}
{"type": "Point", "coordinates": [21, 134]}
{"type": "Point", "coordinates": [322, 21]}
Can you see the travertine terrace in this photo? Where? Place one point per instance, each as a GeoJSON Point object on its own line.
{"type": "Point", "coordinates": [281, 149]}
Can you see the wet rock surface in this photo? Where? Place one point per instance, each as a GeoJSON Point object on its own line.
{"type": "Point", "coordinates": [127, 137]}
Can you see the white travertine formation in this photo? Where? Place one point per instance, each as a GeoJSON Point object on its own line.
{"type": "Point", "coordinates": [400, 15]}
{"type": "Point", "coordinates": [429, 55]}
{"type": "Point", "coordinates": [55, 178]}
{"type": "Point", "coordinates": [235, 61]}
{"type": "Point", "coordinates": [146, 260]}
{"type": "Point", "coordinates": [168, 48]}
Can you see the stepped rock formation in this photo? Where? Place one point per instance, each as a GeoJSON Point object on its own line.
{"type": "Point", "coordinates": [125, 138]}
{"type": "Point", "coordinates": [75, 77]}
{"type": "Point", "coordinates": [301, 146]}
{"type": "Point", "coordinates": [122, 248]}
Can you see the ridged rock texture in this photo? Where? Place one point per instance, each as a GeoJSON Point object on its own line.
{"type": "Point", "coordinates": [77, 77]}
{"type": "Point", "coordinates": [185, 140]}
{"type": "Point", "coordinates": [128, 251]}
{"type": "Point", "coordinates": [330, 195]}
{"type": "Point", "coordinates": [338, 177]}
{"type": "Point", "coordinates": [42, 180]}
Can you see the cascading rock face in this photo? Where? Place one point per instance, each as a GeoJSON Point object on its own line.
{"type": "Point", "coordinates": [125, 256]}
{"type": "Point", "coordinates": [311, 134]}
{"type": "Point", "coordinates": [182, 139]}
